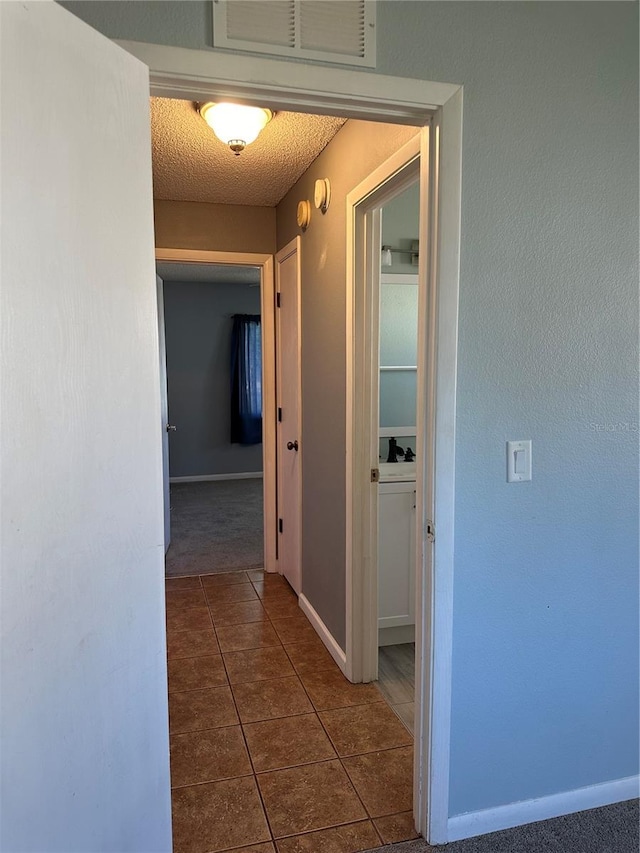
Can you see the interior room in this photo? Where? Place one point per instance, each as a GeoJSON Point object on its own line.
{"type": "Point", "coordinates": [212, 332]}
{"type": "Point", "coordinates": [527, 679]}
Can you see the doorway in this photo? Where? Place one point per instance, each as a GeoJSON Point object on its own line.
{"type": "Point", "coordinates": [397, 432]}
{"type": "Point", "coordinates": [262, 275]}
{"type": "Point", "coordinates": [211, 322]}
{"type": "Point", "coordinates": [334, 448]}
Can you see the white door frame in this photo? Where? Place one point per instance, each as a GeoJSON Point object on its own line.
{"type": "Point", "coordinates": [267, 300]}
{"type": "Point", "coordinates": [294, 246]}
{"type": "Point", "coordinates": [364, 205]}
{"type": "Point", "coordinates": [177, 72]}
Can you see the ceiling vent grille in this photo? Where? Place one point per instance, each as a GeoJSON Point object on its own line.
{"type": "Point", "coordinates": [339, 31]}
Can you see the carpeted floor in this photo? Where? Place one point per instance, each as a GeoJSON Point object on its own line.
{"type": "Point", "coordinates": [612, 829]}
{"type": "Point", "coordinates": [215, 527]}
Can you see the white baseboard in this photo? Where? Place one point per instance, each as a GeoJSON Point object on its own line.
{"type": "Point", "coordinates": [205, 478]}
{"type": "Point", "coordinates": [323, 632]}
{"type": "Point", "coordinates": [543, 808]}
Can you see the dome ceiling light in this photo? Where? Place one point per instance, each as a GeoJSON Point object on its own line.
{"type": "Point", "coordinates": [234, 124]}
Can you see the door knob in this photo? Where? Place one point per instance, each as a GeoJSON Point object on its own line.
{"type": "Point", "coordinates": [171, 428]}
{"type": "Point", "coordinates": [292, 445]}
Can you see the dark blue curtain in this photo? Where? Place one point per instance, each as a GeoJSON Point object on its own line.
{"type": "Point", "coordinates": [246, 380]}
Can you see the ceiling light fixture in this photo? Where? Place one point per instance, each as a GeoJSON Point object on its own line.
{"type": "Point", "coordinates": [235, 124]}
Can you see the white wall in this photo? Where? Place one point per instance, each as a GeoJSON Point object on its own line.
{"type": "Point", "coordinates": [83, 693]}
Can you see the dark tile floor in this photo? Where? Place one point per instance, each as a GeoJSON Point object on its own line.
{"type": "Point", "coordinates": [272, 749]}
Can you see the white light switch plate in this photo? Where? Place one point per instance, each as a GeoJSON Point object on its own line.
{"type": "Point", "coordinates": [518, 461]}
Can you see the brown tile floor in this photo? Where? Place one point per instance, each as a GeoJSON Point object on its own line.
{"type": "Point", "coordinates": [272, 749]}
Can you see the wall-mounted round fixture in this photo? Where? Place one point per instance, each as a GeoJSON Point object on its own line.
{"type": "Point", "coordinates": [322, 194]}
{"type": "Point", "coordinates": [235, 124]}
{"type": "Point", "coordinates": [303, 216]}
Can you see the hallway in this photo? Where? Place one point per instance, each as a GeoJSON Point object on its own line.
{"type": "Point", "coordinates": [272, 749]}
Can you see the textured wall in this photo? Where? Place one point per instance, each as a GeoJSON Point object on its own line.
{"type": "Point", "coordinates": [214, 227]}
{"type": "Point", "coordinates": [198, 329]}
{"type": "Point", "coordinates": [351, 155]}
{"type": "Point", "coordinates": [545, 666]}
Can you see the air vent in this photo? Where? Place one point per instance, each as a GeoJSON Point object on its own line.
{"type": "Point", "coordinates": [338, 31]}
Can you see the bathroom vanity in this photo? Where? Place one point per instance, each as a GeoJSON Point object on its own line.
{"type": "Point", "coordinates": [396, 552]}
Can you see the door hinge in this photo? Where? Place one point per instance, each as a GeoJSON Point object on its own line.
{"type": "Point", "coordinates": [375, 475]}
{"type": "Point", "coordinates": [279, 414]}
{"type": "Point", "coordinates": [280, 525]}
{"type": "Point", "coordinates": [277, 300]}
{"type": "Point", "coordinates": [430, 529]}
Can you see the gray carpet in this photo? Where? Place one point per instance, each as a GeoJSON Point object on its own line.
{"type": "Point", "coordinates": [215, 527]}
{"type": "Point", "coordinates": [612, 829]}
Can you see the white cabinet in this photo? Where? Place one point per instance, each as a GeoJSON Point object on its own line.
{"type": "Point", "coordinates": [396, 554]}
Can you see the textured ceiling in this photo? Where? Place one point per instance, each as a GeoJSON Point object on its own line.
{"type": "Point", "coordinates": [191, 164]}
{"type": "Point", "coordinates": [210, 273]}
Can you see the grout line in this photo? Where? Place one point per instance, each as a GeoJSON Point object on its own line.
{"type": "Point", "coordinates": [191, 657]}
{"type": "Point", "coordinates": [344, 769]}
{"type": "Point", "coordinates": [241, 725]}
{"type": "Point", "coordinates": [248, 775]}
{"type": "Point", "coordinates": [331, 826]}
{"type": "Point", "coordinates": [193, 690]}
{"type": "Point", "coordinates": [246, 746]}
{"type": "Point", "coordinates": [210, 729]}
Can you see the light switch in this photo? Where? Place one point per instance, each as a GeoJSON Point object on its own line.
{"type": "Point", "coordinates": [518, 461]}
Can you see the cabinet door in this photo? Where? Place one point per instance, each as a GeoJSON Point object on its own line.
{"type": "Point", "coordinates": [396, 554]}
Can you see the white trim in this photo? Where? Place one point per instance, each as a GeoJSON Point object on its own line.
{"type": "Point", "coordinates": [395, 636]}
{"type": "Point", "coordinates": [179, 72]}
{"type": "Point", "coordinates": [205, 478]}
{"type": "Point", "coordinates": [390, 432]}
{"type": "Point", "coordinates": [267, 298]}
{"type": "Point", "coordinates": [443, 198]}
{"type": "Point", "coordinates": [398, 278]}
{"type": "Point", "coordinates": [323, 632]}
{"type": "Point", "coordinates": [204, 75]}
{"type": "Point", "coordinates": [363, 245]}
{"type": "Point", "coordinates": [542, 808]}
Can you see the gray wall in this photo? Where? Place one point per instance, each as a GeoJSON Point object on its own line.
{"type": "Point", "coordinates": [545, 663]}
{"type": "Point", "coordinates": [198, 329]}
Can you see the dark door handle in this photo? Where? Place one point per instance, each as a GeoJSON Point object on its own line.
{"type": "Point", "coordinates": [292, 445]}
